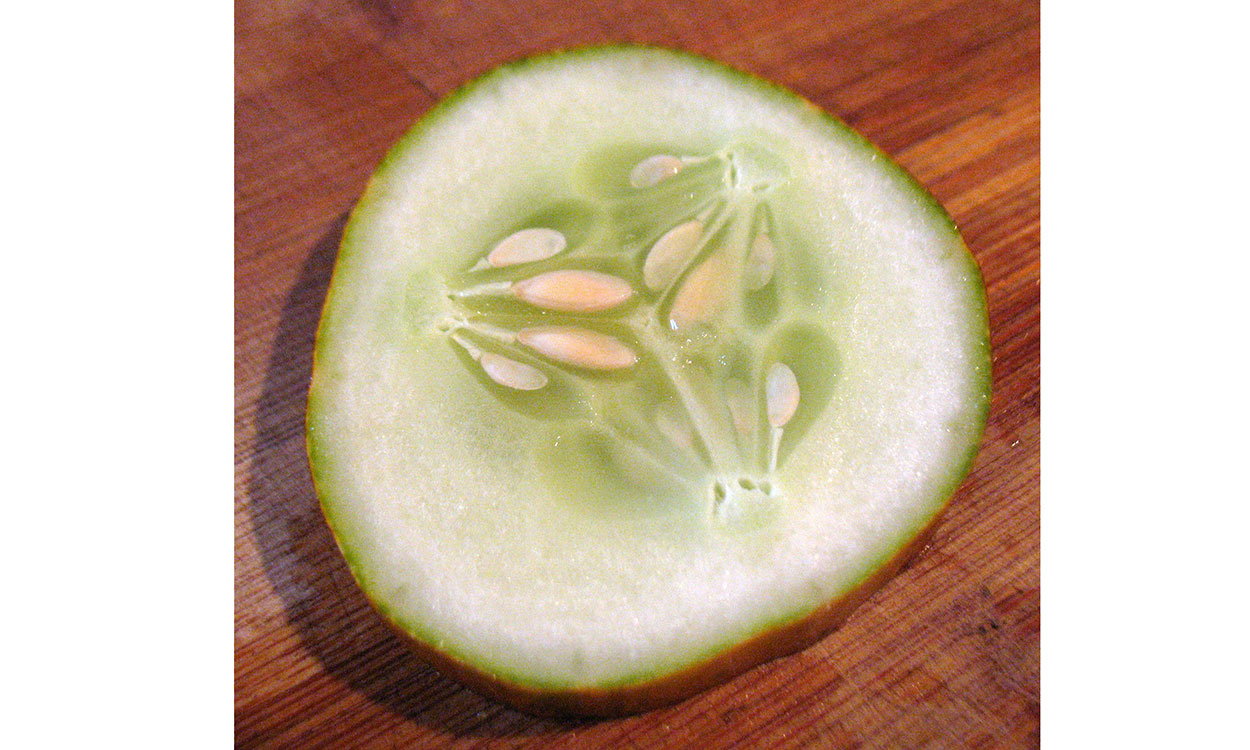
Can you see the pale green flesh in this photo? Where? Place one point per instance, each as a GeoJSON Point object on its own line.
{"type": "Point", "coordinates": [558, 537]}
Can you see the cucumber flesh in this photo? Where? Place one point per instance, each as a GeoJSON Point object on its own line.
{"type": "Point", "coordinates": [629, 358]}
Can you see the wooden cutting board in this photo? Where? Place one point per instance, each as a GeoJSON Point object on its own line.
{"type": "Point", "coordinates": [945, 656]}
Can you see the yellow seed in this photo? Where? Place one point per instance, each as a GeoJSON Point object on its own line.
{"type": "Point", "coordinates": [574, 291]}
{"type": "Point", "coordinates": [703, 294]}
{"type": "Point", "coordinates": [670, 254]}
{"type": "Point", "coordinates": [526, 246]}
{"type": "Point", "coordinates": [578, 347]}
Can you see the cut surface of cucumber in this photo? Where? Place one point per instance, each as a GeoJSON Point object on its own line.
{"type": "Point", "coordinates": [636, 370]}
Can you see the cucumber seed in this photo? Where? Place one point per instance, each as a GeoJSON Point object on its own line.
{"type": "Point", "coordinates": [578, 347]}
{"type": "Point", "coordinates": [671, 253]}
{"type": "Point", "coordinates": [574, 291]}
{"type": "Point", "coordinates": [526, 246]}
{"type": "Point", "coordinates": [513, 374]}
{"type": "Point", "coordinates": [781, 393]}
{"type": "Point", "coordinates": [653, 170]}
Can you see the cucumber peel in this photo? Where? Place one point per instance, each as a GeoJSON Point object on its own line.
{"type": "Point", "coordinates": [636, 371]}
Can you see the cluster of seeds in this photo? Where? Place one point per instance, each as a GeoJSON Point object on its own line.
{"type": "Point", "coordinates": [679, 306]}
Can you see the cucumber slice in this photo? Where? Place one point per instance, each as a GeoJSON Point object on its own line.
{"type": "Point", "coordinates": [635, 371]}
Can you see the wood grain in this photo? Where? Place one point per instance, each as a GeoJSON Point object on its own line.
{"type": "Point", "coordinates": [945, 656]}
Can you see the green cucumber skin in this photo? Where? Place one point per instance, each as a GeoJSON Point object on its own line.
{"type": "Point", "coordinates": [363, 213]}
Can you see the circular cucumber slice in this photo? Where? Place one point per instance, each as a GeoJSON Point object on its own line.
{"type": "Point", "coordinates": [635, 371]}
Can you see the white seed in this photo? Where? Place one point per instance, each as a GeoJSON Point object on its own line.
{"type": "Point", "coordinates": [653, 170]}
{"type": "Point", "coordinates": [760, 263]}
{"type": "Point", "coordinates": [670, 254]}
{"type": "Point", "coordinates": [781, 393]}
{"type": "Point", "coordinates": [703, 294]}
{"type": "Point", "coordinates": [526, 246]}
{"type": "Point", "coordinates": [513, 374]}
{"type": "Point", "coordinates": [574, 291]}
{"type": "Point", "coordinates": [578, 347]}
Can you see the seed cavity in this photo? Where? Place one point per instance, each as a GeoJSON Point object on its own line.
{"type": "Point", "coordinates": [578, 347]}
{"type": "Point", "coordinates": [675, 430]}
{"type": "Point", "coordinates": [703, 294]}
{"type": "Point", "coordinates": [653, 170]}
{"type": "Point", "coordinates": [761, 262]}
{"type": "Point", "coordinates": [683, 315]}
{"type": "Point", "coordinates": [781, 393]}
{"type": "Point", "coordinates": [512, 374]}
{"type": "Point", "coordinates": [670, 254]}
{"type": "Point", "coordinates": [526, 246]}
{"type": "Point", "coordinates": [741, 408]}
{"type": "Point", "coordinates": [574, 291]}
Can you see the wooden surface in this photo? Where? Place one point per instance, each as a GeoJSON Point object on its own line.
{"type": "Point", "coordinates": [945, 656]}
